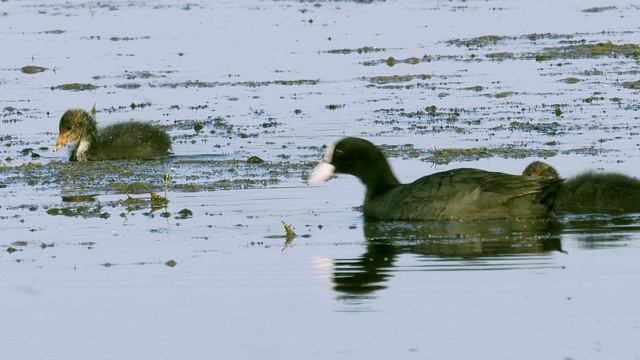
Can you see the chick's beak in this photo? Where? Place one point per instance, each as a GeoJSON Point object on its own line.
{"type": "Point", "coordinates": [63, 139]}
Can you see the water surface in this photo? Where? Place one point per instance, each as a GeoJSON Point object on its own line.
{"type": "Point", "coordinates": [439, 85]}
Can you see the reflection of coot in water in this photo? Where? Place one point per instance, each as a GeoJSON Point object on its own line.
{"type": "Point", "coordinates": [469, 239]}
{"type": "Point", "coordinates": [126, 140]}
{"type": "Point", "coordinates": [365, 274]}
{"type": "Point", "coordinates": [591, 191]}
{"type": "Point", "coordinates": [453, 194]}
{"type": "Point", "coordinates": [444, 245]}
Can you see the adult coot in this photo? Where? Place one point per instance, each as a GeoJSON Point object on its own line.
{"type": "Point", "coordinates": [453, 194]}
{"type": "Point", "coordinates": [591, 192]}
{"type": "Point", "coordinates": [126, 140]}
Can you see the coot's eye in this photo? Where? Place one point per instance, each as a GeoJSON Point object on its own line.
{"type": "Point", "coordinates": [69, 128]}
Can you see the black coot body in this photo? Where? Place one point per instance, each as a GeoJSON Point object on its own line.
{"type": "Point", "coordinates": [126, 140]}
{"type": "Point", "coordinates": [453, 194]}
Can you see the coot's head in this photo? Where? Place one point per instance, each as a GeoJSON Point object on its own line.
{"type": "Point", "coordinates": [541, 169]}
{"type": "Point", "coordinates": [356, 157]}
{"type": "Point", "coordinates": [75, 125]}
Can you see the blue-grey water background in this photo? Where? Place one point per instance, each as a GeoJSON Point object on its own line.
{"type": "Point", "coordinates": [506, 78]}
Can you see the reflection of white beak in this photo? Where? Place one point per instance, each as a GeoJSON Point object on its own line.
{"type": "Point", "coordinates": [323, 266]}
{"type": "Point", "coordinates": [321, 173]}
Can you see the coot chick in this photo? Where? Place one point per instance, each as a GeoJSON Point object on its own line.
{"type": "Point", "coordinates": [592, 192]}
{"type": "Point", "coordinates": [540, 168]}
{"type": "Point", "coordinates": [453, 194]}
{"type": "Point", "coordinates": [125, 140]}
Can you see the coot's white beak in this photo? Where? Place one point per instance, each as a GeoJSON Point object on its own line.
{"type": "Point", "coordinates": [324, 170]}
{"type": "Point", "coordinates": [321, 173]}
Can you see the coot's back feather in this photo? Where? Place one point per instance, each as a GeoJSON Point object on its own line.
{"type": "Point", "coordinates": [464, 194]}
{"type": "Point", "coordinates": [130, 140]}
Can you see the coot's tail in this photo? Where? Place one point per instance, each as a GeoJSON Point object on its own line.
{"type": "Point", "coordinates": [550, 191]}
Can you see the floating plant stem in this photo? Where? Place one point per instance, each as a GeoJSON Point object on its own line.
{"type": "Point", "coordinates": [154, 197]}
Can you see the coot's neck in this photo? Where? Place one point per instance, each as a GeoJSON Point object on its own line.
{"type": "Point", "coordinates": [379, 180]}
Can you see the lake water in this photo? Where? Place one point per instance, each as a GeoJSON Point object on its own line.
{"type": "Point", "coordinates": [438, 84]}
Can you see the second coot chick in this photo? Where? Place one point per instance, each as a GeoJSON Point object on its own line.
{"type": "Point", "coordinates": [453, 194]}
{"type": "Point", "coordinates": [590, 191]}
{"type": "Point", "coordinates": [125, 140]}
